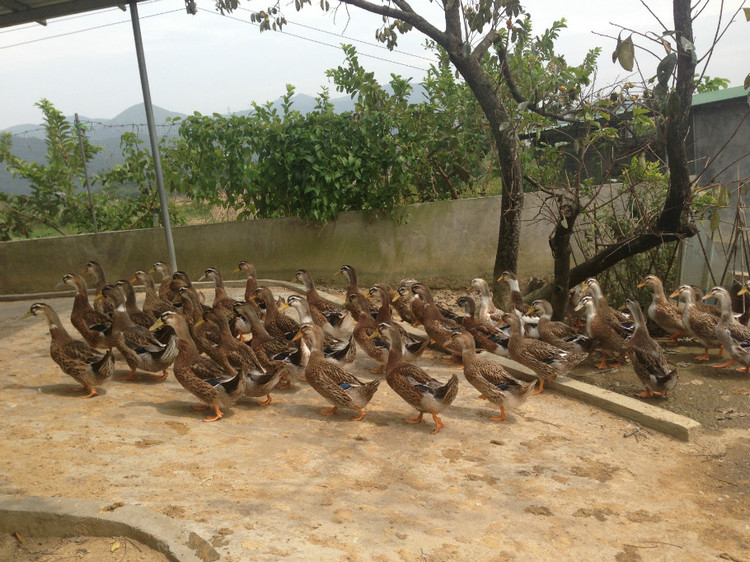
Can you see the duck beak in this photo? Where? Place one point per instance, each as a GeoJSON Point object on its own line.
{"type": "Point", "coordinates": [156, 325]}
{"type": "Point", "coordinates": [743, 290]}
{"type": "Point", "coordinates": [675, 294]}
{"type": "Point", "coordinates": [297, 336]}
{"type": "Point", "coordinates": [283, 306]}
{"type": "Point", "coordinates": [706, 297]}
{"type": "Point", "coordinates": [641, 285]}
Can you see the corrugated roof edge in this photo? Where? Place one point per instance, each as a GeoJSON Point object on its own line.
{"type": "Point", "coordinates": [719, 95]}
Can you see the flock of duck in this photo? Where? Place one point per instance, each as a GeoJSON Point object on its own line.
{"type": "Point", "coordinates": [247, 348]}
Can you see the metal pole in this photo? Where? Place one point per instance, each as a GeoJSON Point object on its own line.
{"type": "Point", "coordinates": [86, 172]}
{"type": "Point", "coordinates": [152, 133]}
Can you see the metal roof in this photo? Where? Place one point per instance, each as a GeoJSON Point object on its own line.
{"type": "Point", "coordinates": [16, 12]}
{"type": "Point", "coordinates": [713, 97]}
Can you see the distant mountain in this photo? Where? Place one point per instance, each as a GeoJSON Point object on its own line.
{"type": "Point", "coordinates": [29, 139]}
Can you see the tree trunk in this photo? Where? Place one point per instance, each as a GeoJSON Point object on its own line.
{"type": "Point", "coordinates": [559, 243]}
{"type": "Point", "coordinates": [508, 240]}
{"type": "Point", "coordinates": [673, 221]}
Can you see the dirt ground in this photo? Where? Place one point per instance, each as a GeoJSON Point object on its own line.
{"type": "Point", "coordinates": [92, 549]}
{"type": "Point", "coordinates": [558, 479]}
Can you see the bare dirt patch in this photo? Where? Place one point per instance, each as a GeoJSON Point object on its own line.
{"type": "Point", "coordinates": [558, 479]}
{"type": "Point", "coordinates": [91, 549]}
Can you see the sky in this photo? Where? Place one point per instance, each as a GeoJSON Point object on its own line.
{"type": "Point", "coordinates": [210, 63]}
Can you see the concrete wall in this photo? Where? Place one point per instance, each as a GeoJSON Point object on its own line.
{"type": "Point", "coordinates": [719, 141]}
{"type": "Point", "coordinates": [445, 244]}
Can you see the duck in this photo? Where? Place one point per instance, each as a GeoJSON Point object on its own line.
{"type": "Point", "coordinates": [700, 325]}
{"type": "Point", "coordinates": [744, 304]}
{"type": "Point", "coordinates": [402, 301]}
{"type": "Point", "coordinates": [414, 345]}
{"type": "Point", "coordinates": [487, 312]}
{"type": "Point", "coordinates": [417, 388]}
{"type": "Point", "coordinates": [616, 319]}
{"type": "Point", "coordinates": [137, 315]}
{"type": "Point", "coordinates": [516, 299]}
{"type": "Point", "coordinates": [383, 293]}
{"type": "Point", "coordinates": [248, 268]}
{"type": "Point", "coordinates": [199, 375]}
{"type": "Point", "coordinates": [493, 382]}
{"type": "Point", "coordinates": [332, 382]}
{"type": "Point", "coordinates": [95, 269]}
{"type": "Point", "coordinates": [488, 337]}
{"type": "Point", "coordinates": [647, 357]}
{"type": "Point", "coordinates": [276, 322]}
{"type": "Point", "coordinates": [269, 349]}
{"type": "Point", "coordinates": [88, 367]}
{"type": "Point", "coordinates": [411, 303]}
{"type": "Point", "coordinates": [237, 357]}
{"type": "Point", "coordinates": [438, 327]}
{"type": "Point", "coordinates": [311, 293]}
{"type": "Point", "coordinates": [375, 348]}
{"type": "Point", "coordinates": [152, 302]}
{"type": "Point", "coordinates": [602, 332]}
{"type": "Point", "coordinates": [95, 327]}
{"type": "Point", "coordinates": [137, 344]}
{"type": "Point", "coordinates": [547, 361]}
{"type": "Point", "coordinates": [733, 335]}
{"type": "Point", "coordinates": [342, 351]}
{"type": "Point", "coordinates": [352, 305]}
{"type": "Point", "coordinates": [205, 335]}
{"type": "Point", "coordinates": [662, 312]}
{"type": "Point", "coordinates": [559, 334]}
{"type": "Point", "coordinates": [699, 298]}
{"type": "Point", "coordinates": [166, 278]}
{"type": "Point", "coordinates": [222, 300]}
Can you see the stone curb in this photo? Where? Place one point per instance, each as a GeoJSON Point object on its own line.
{"type": "Point", "coordinates": [32, 516]}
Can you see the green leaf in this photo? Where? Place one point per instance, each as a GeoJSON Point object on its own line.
{"type": "Point", "coordinates": [747, 82]}
{"type": "Point", "coordinates": [625, 53]}
{"type": "Point", "coordinates": [723, 199]}
{"type": "Point", "coordinates": [747, 13]}
{"type": "Point", "coordinates": [715, 220]}
{"type": "Point", "coordinates": [665, 68]}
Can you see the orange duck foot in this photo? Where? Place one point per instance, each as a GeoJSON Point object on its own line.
{"type": "Point", "coordinates": [161, 377]}
{"type": "Point", "coordinates": [362, 412]}
{"type": "Point", "coordinates": [377, 370]}
{"type": "Point", "coordinates": [501, 417]}
{"type": "Point", "coordinates": [267, 401]}
{"type": "Point", "coordinates": [130, 377]}
{"type": "Point", "coordinates": [418, 419]}
{"type": "Point", "coordinates": [602, 364]}
{"type": "Point", "coordinates": [704, 357]}
{"type": "Point", "coordinates": [218, 415]}
{"type": "Point", "coordinates": [541, 387]}
{"type": "Point", "coordinates": [92, 391]}
{"type": "Point", "coordinates": [645, 394]}
{"type": "Point", "coordinates": [438, 423]}
{"type": "Point", "coordinates": [328, 412]}
{"type": "Point", "coordinates": [724, 365]}
{"type": "Point", "coordinates": [673, 338]}
{"type": "Point", "coordinates": [745, 369]}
